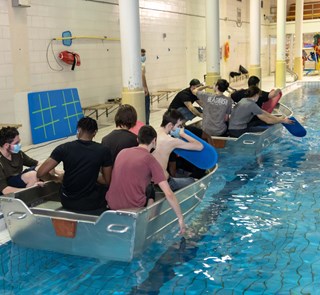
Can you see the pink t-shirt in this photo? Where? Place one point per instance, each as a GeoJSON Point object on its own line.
{"type": "Point", "coordinates": [132, 172]}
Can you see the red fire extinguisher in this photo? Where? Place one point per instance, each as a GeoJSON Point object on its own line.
{"type": "Point", "coordinates": [71, 58]}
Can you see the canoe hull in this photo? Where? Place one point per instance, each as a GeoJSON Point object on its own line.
{"type": "Point", "coordinates": [253, 143]}
{"type": "Point", "coordinates": [35, 219]}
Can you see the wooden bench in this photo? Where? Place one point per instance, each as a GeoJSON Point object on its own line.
{"type": "Point", "coordinates": [161, 94]}
{"type": "Point", "coordinates": [106, 108]}
{"type": "Point", "coordinates": [10, 125]}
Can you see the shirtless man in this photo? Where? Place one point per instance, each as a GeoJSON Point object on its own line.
{"type": "Point", "coordinates": [171, 123]}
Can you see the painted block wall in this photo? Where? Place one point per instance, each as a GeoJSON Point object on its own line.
{"type": "Point", "coordinates": [6, 68]}
{"type": "Point", "coordinates": [172, 31]}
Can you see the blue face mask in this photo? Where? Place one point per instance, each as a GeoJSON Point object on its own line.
{"type": "Point", "coordinates": [16, 148]}
{"type": "Point", "coordinates": [143, 59]}
{"type": "Point", "coordinates": [175, 133]}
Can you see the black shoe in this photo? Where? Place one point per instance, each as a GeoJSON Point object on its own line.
{"type": "Point", "coordinates": [234, 74]}
{"type": "Point", "coordinates": [243, 70]}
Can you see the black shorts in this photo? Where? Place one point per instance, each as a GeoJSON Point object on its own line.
{"type": "Point", "coordinates": [16, 181]}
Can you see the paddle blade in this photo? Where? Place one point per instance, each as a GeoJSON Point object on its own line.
{"type": "Point", "coordinates": [296, 128]}
{"type": "Point", "coordinates": [204, 159]}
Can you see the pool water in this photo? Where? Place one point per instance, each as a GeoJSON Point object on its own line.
{"type": "Point", "coordinates": [257, 232]}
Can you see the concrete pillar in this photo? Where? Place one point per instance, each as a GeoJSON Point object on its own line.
{"type": "Point", "coordinates": [132, 91]}
{"type": "Point", "coordinates": [213, 41]}
{"type": "Point", "coordinates": [255, 47]}
{"type": "Point", "coordinates": [298, 64]}
{"type": "Point", "coordinates": [281, 44]}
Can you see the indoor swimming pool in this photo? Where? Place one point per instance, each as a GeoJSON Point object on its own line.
{"type": "Point", "coordinates": [257, 232]}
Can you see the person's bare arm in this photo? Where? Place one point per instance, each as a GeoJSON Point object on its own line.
{"type": "Point", "coordinates": [46, 167]}
{"type": "Point", "coordinates": [106, 173]}
{"type": "Point", "coordinates": [190, 106]}
{"type": "Point", "coordinates": [271, 119]}
{"type": "Point", "coordinates": [173, 203]}
{"type": "Point", "coordinates": [200, 88]}
{"type": "Point", "coordinates": [189, 144]}
{"type": "Point", "coordinates": [10, 189]}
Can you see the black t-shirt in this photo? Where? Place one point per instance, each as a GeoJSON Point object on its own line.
{"type": "Point", "coordinates": [182, 97]}
{"type": "Point", "coordinates": [118, 140]}
{"type": "Point", "coordinates": [238, 95]}
{"type": "Point", "coordinates": [82, 161]}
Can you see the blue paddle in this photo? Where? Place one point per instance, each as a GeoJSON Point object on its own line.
{"type": "Point", "coordinates": [204, 159]}
{"type": "Point", "coordinates": [296, 128]}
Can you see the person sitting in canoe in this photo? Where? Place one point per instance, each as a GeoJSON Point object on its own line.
{"type": "Point", "coordinates": [216, 109]}
{"type": "Point", "coordinates": [170, 137]}
{"type": "Point", "coordinates": [82, 161]}
{"type": "Point", "coordinates": [264, 97]}
{"type": "Point", "coordinates": [243, 112]}
{"type": "Point", "coordinates": [183, 101]}
{"type": "Point", "coordinates": [12, 160]}
{"type": "Point", "coordinates": [121, 138]}
{"type": "Point", "coordinates": [132, 172]}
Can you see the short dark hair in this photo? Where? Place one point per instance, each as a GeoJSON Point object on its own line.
{"type": "Point", "coordinates": [252, 90]}
{"type": "Point", "coordinates": [146, 134]}
{"type": "Point", "coordinates": [7, 135]}
{"type": "Point", "coordinates": [88, 125]}
{"type": "Point", "coordinates": [126, 116]}
{"type": "Point", "coordinates": [253, 81]}
{"type": "Point", "coordinates": [143, 50]}
{"type": "Point", "coordinates": [171, 116]}
{"type": "Point", "coordinates": [194, 82]}
{"type": "Point", "coordinates": [222, 85]}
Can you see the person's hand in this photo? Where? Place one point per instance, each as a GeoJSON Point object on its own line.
{"type": "Point", "coordinates": [182, 226]}
{"type": "Point", "coordinates": [146, 91]}
{"type": "Point", "coordinates": [287, 121]}
{"type": "Point", "coordinates": [181, 132]}
{"type": "Point", "coordinates": [39, 183]}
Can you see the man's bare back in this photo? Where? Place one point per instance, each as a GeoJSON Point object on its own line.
{"type": "Point", "coordinates": [166, 144]}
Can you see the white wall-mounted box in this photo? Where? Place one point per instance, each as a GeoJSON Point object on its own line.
{"type": "Point", "coordinates": [21, 3]}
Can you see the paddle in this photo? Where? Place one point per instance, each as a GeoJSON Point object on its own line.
{"type": "Point", "coordinates": [204, 159]}
{"type": "Point", "coordinates": [296, 128]}
{"type": "Point", "coordinates": [269, 105]}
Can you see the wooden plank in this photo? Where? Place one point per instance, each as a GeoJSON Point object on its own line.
{"type": "Point", "coordinates": [102, 106]}
{"type": "Point", "coordinates": [169, 90]}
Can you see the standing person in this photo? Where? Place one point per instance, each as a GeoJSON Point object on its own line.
{"type": "Point", "coordinates": [216, 109]}
{"type": "Point", "coordinates": [243, 112]}
{"type": "Point", "coordinates": [121, 138]}
{"type": "Point", "coordinates": [171, 123]}
{"type": "Point", "coordinates": [12, 176]}
{"type": "Point", "coordinates": [132, 172]}
{"type": "Point", "coordinates": [82, 161]}
{"type": "Point", "coordinates": [183, 101]}
{"type": "Point", "coordinates": [145, 86]}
